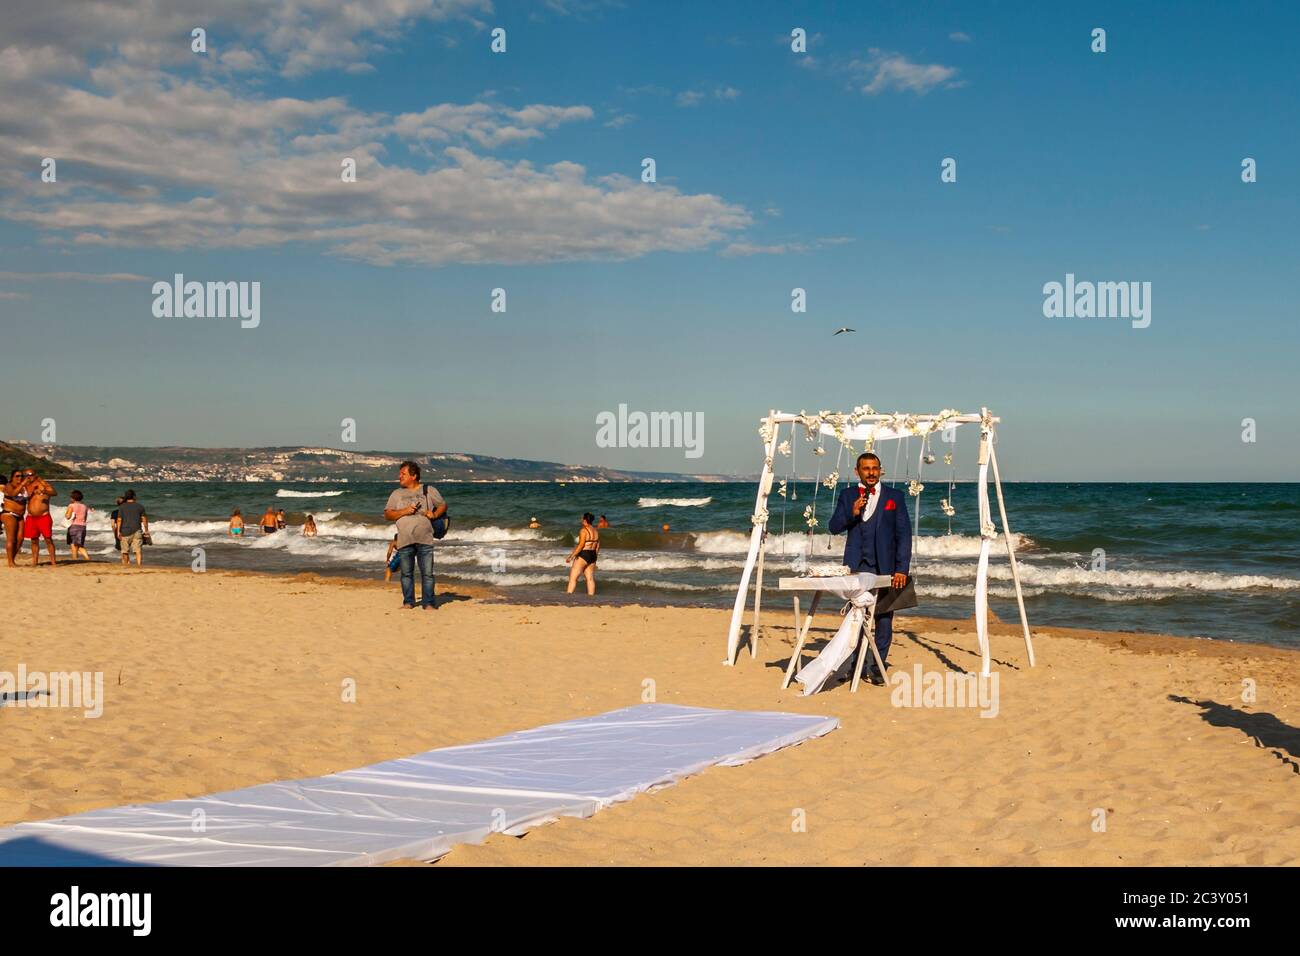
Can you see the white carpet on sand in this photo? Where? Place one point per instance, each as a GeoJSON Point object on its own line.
{"type": "Point", "coordinates": [418, 807]}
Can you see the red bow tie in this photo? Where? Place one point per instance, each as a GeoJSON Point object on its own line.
{"type": "Point", "coordinates": [865, 492]}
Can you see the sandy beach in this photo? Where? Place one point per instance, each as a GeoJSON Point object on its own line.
{"type": "Point", "coordinates": [217, 681]}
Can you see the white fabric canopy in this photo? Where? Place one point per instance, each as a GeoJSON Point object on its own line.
{"type": "Point", "coordinates": [419, 807]}
{"type": "Point", "coordinates": [880, 431]}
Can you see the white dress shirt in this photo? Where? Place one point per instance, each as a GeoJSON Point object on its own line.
{"type": "Point", "coordinates": [872, 500]}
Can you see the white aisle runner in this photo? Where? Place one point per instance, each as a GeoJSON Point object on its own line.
{"type": "Point", "coordinates": [419, 807]}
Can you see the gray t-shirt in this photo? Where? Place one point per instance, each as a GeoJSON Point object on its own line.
{"type": "Point", "coordinates": [413, 529]}
{"type": "Point", "coordinates": [130, 513]}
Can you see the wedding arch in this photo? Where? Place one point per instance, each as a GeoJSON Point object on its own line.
{"type": "Point", "coordinates": [864, 425]}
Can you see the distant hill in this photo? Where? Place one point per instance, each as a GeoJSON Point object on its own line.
{"type": "Point", "coordinates": [11, 458]}
{"type": "Point", "coordinates": [122, 463]}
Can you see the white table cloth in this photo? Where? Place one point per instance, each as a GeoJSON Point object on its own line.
{"type": "Point", "coordinates": [859, 591]}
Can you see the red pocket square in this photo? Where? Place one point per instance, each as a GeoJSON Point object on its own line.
{"type": "Point", "coordinates": [891, 505]}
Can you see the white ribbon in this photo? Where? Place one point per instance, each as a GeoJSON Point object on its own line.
{"type": "Point", "coordinates": [817, 672]}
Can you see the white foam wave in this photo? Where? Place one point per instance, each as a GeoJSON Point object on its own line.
{"type": "Point", "coordinates": [507, 579]}
{"type": "Point", "coordinates": [289, 493]}
{"type": "Point", "coordinates": [825, 545]}
{"type": "Point", "coordinates": [493, 533]}
{"type": "Point", "coordinates": [1034, 573]}
{"type": "Point", "coordinates": [516, 558]}
{"type": "Point", "coordinates": [673, 502]}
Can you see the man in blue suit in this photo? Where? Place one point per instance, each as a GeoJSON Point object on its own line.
{"type": "Point", "coordinates": [879, 535]}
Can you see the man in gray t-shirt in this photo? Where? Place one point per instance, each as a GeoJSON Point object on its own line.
{"type": "Point", "coordinates": [412, 509]}
{"type": "Point", "coordinates": [131, 526]}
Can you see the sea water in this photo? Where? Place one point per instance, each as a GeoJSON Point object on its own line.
{"type": "Point", "coordinates": [1197, 559]}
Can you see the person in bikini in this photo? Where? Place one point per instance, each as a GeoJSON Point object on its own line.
{"type": "Point", "coordinates": [583, 558]}
{"type": "Point", "coordinates": [39, 523]}
{"type": "Point", "coordinates": [15, 508]}
{"type": "Point", "coordinates": [236, 527]}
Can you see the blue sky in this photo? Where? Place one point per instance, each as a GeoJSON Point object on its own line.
{"type": "Point", "coordinates": [775, 170]}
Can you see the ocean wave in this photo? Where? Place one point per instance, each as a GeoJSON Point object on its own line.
{"type": "Point", "coordinates": [926, 589]}
{"type": "Point", "coordinates": [515, 558]}
{"type": "Point", "coordinates": [507, 579]}
{"type": "Point", "coordinates": [289, 493]}
{"type": "Point", "coordinates": [1033, 573]}
{"type": "Point", "coordinates": [673, 502]}
{"type": "Point", "coordinates": [823, 545]}
{"type": "Point", "coordinates": [494, 533]}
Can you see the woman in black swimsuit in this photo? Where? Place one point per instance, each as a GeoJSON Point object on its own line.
{"type": "Point", "coordinates": [15, 506]}
{"type": "Point", "coordinates": [584, 555]}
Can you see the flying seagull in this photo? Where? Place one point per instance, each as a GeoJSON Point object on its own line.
{"type": "Point", "coordinates": [845, 329]}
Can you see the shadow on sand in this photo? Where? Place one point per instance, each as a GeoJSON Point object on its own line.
{"type": "Point", "coordinates": [1267, 731]}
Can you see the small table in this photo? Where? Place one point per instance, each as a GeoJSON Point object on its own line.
{"type": "Point", "coordinates": [847, 586]}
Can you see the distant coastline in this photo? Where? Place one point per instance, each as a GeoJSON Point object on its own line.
{"type": "Point", "coordinates": [315, 464]}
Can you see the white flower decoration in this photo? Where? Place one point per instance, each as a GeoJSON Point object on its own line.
{"type": "Point", "coordinates": [914, 488]}
{"type": "Point", "coordinates": [784, 448]}
{"type": "Point", "coordinates": [831, 480]}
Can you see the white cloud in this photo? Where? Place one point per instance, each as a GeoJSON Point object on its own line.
{"type": "Point", "coordinates": [72, 277]}
{"type": "Point", "coordinates": [689, 97]}
{"type": "Point", "coordinates": [736, 249]}
{"type": "Point", "coordinates": [300, 36]}
{"type": "Point", "coordinates": [147, 160]}
{"type": "Point", "coordinates": [158, 157]}
{"type": "Point", "coordinates": [892, 71]}
{"type": "Point", "coordinates": [959, 37]}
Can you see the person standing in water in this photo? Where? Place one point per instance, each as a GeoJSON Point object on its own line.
{"type": "Point", "coordinates": [236, 527]}
{"type": "Point", "coordinates": [77, 514]}
{"type": "Point", "coordinates": [132, 526]}
{"type": "Point", "coordinates": [309, 527]}
{"type": "Point", "coordinates": [112, 518]}
{"type": "Point", "coordinates": [583, 558]}
{"type": "Point", "coordinates": [394, 560]}
{"type": "Point", "coordinates": [268, 521]}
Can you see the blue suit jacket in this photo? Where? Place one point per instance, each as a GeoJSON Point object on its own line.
{"type": "Point", "coordinates": [882, 545]}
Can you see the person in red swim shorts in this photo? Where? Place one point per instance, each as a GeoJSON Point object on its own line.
{"type": "Point", "coordinates": [38, 523]}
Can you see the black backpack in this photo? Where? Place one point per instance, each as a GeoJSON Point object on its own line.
{"type": "Point", "coordinates": [440, 525]}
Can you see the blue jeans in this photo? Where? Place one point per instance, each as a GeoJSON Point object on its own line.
{"type": "Point", "coordinates": [408, 557]}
